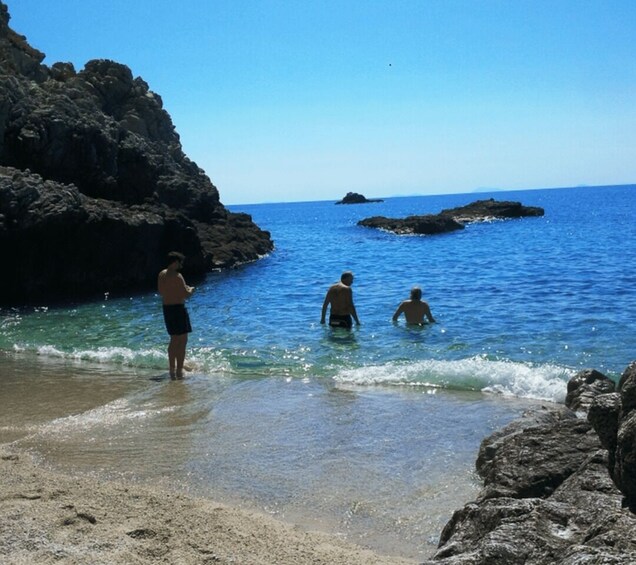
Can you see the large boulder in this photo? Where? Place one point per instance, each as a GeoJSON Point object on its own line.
{"type": "Point", "coordinates": [547, 495]}
{"type": "Point", "coordinates": [94, 186]}
{"type": "Point", "coordinates": [613, 416]}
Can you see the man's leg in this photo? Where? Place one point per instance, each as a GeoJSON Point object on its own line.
{"type": "Point", "coordinates": [182, 342]}
{"type": "Point", "coordinates": [173, 347]}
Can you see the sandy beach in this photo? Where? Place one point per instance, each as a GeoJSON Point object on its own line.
{"type": "Point", "coordinates": [53, 518]}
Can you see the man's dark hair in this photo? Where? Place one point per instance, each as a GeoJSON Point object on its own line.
{"type": "Point", "coordinates": [346, 275]}
{"type": "Point", "coordinates": [175, 256]}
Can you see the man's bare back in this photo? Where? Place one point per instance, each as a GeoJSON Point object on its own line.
{"type": "Point", "coordinates": [414, 309]}
{"type": "Point", "coordinates": [340, 298]}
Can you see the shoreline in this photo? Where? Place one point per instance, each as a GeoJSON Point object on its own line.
{"type": "Point", "coordinates": [52, 517]}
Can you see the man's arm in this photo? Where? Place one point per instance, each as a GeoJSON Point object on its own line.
{"type": "Point", "coordinates": [355, 315]}
{"type": "Point", "coordinates": [427, 312]}
{"type": "Point", "coordinates": [399, 310]}
{"type": "Point", "coordinates": [352, 307]}
{"type": "Point", "coordinates": [324, 306]}
{"type": "Point", "coordinates": [187, 290]}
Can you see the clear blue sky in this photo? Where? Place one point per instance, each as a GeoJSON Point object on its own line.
{"type": "Point", "coordinates": [306, 100]}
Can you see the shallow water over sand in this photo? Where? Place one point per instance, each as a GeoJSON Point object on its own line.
{"type": "Point", "coordinates": [383, 467]}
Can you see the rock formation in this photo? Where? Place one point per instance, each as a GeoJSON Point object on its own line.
{"type": "Point", "coordinates": [491, 209]}
{"type": "Point", "coordinates": [422, 225]}
{"type": "Point", "coordinates": [452, 219]}
{"type": "Point", "coordinates": [547, 495]}
{"type": "Point", "coordinates": [94, 186]}
{"type": "Point", "coordinates": [355, 198]}
{"type": "Point", "coordinates": [613, 416]}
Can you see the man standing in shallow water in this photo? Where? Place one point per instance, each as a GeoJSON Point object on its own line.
{"type": "Point", "coordinates": [414, 309]}
{"type": "Point", "coordinates": [174, 291]}
{"type": "Point", "coordinates": [340, 297]}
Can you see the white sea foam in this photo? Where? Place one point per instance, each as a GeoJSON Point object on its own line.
{"type": "Point", "coordinates": [119, 355]}
{"type": "Point", "coordinates": [523, 380]}
{"type": "Point", "coordinates": [204, 359]}
{"type": "Point", "coordinates": [109, 414]}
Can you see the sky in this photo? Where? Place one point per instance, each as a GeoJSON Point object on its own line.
{"type": "Point", "coordinates": [305, 100]}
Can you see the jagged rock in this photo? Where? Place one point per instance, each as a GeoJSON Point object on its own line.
{"type": "Point", "coordinates": [355, 198]}
{"type": "Point", "coordinates": [627, 388]}
{"type": "Point", "coordinates": [533, 456]}
{"type": "Point", "coordinates": [451, 219]}
{"type": "Point", "coordinates": [585, 386]}
{"type": "Point", "coordinates": [613, 417]}
{"type": "Point", "coordinates": [94, 186]}
{"type": "Point", "coordinates": [547, 495]}
{"type": "Point", "coordinates": [422, 225]}
{"type": "Point", "coordinates": [484, 210]}
{"type": "Point", "coordinates": [603, 414]}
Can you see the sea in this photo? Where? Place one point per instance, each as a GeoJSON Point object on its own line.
{"type": "Point", "coordinates": [370, 434]}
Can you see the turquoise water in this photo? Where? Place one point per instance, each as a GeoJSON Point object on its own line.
{"type": "Point", "coordinates": [371, 434]}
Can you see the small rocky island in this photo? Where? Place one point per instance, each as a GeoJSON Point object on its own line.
{"type": "Point", "coordinates": [452, 219]}
{"type": "Point", "coordinates": [355, 198]}
{"type": "Point", "coordinates": [94, 186]}
{"type": "Point", "coordinates": [559, 484]}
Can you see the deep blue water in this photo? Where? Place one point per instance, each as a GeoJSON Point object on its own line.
{"type": "Point", "coordinates": [361, 430]}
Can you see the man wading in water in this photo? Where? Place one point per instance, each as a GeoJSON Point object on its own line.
{"type": "Point", "coordinates": [414, 309]}
{"type": "Point", "coordinates": [174, 291]}
{"type": "Point", "coordinates": [340, 297]}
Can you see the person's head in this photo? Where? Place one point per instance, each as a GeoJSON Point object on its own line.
{"type": "Point", "coordinates": [346, 278]}
{"type": "Point", "coordinates": [176, 257]}
{"type": "Point", "coordinates": [416, 293]}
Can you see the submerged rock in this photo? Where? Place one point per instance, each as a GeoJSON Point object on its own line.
{"type": "Point", "coordinates": [452, 219]}
{"type": "Point", "coordinates": [94, 186]}
{"type": "Point", "coordinates": [547, 495]}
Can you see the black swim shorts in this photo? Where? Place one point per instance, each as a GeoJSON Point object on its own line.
{"type": "Point", "coordinates": [177, 319]}
{"type": "Point", "coordinates": [340, 321]}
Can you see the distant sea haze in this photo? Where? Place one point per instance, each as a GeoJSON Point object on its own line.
{"type": "Point", "coordinates": [375, 430]}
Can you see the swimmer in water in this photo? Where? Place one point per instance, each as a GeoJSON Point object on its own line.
{"type": "Point", "coordinates": [414, 309]}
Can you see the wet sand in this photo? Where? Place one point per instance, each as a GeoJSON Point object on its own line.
{"type": "Point", "coordinates": [48, 517]}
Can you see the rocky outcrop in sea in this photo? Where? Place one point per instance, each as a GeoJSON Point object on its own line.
{"type": "Point", "coordinates": [355, 198]}
{"type": "Point", "coordinates": [94, 186]}
{"type": "Point", "coordinates": [452, 219]}
{"type": "Point", "coordinates": [558, 484]}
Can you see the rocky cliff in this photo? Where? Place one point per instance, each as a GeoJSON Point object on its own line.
{"type": "Point", "coordinates": [94, 186]}
{"type": "Point", "coordinates": [558, 484]}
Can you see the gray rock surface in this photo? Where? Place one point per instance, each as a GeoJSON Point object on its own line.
{"type": "Point", "coordinates": [547, 495]}
{"type": "Point", "coordinates": [94, 186]}
{"type": "Point", "coordinates": [613, 416]}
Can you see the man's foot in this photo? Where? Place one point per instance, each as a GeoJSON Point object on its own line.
{"type": "Point", "coordinates": [173, 375]}
{"type": "Point", "coordinates": [180, 375]}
